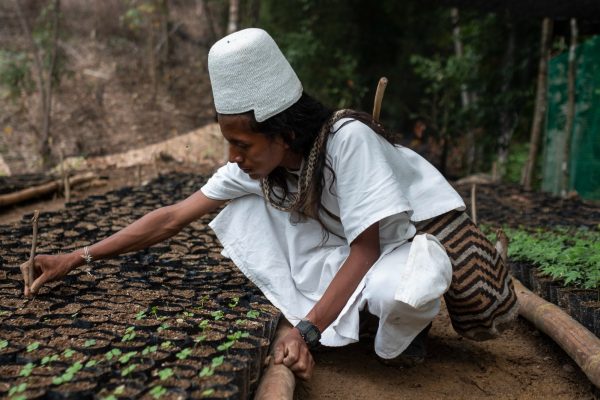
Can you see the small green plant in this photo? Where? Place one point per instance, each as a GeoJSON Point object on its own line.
{"type": "Point", "coordinates": [112, 353]}
{"type": "Point", "coordinates": [140, 315]}
{"type": "Point", "coordinates": [17, 390]}
{"type": "Point", "coordinates": [90, 364]}
{"type": "Point", "coordinates": [217, 315]}
{"type": "Point", "coordinates": [129, 369]}
{"type": "Point", "coordinates": [68, 375]}
{"type": "Point", "coordinates": [188, 314]}
{"type": "Point", "coordinates": [27, 369]}
{"type": "Point", "coordinates": [150, 349]}
{"type": "Point", "coordinates": [253, 314]}
{"type": "Point", "coordinates": [183, 354]}
{"type": "Point", "coordinates": [234, 302]}
{"type": "Point", "coordinates": [154, 311]}
{"type": "Point", "coordinates": [203, 324]}
{"type": "Point", "coordinates": [49, 359]}
{"type": "Point", "coordinates": [119, 390]}
{"type": "Point", "coordinates": [208, 392]}
{"type": "Point", "coordinates": [231, 339]}
{"type": "Point", "coordinates": [3, 344]}
{"type": "Point", "coordinates": [166, 345]}
{"type": "Point", "coordinates": [89, 343]}
{"type": "Point", "coordinates": [68, 353]}
{"type": "Point", "coordinates": [33, 346]}
{"type": "Point", "coordinates": [158, 391]}
{"type": "Point", "coordinates": [210, 370]}
{"type": "Point", "coordinates": [164, 326]}
{"type": "Point", "coordinates": [199, 339]}
{"type": "Point", "coordinates": [129, 334]}
{"type": "Point", "coordinates": [165, 373]}
{"type": "Point", "coordinates": [124, 359]}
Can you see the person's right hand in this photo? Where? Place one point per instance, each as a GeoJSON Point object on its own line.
{"type": "Point", "coordinates": [46, 269]}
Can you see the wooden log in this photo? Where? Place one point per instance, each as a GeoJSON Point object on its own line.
{"type": "Point", "coordinates": [278, 381]}
{"type": "Point", "coordinates": [36, 191]}
{"type": "Point", "coordinates": [578, 342]}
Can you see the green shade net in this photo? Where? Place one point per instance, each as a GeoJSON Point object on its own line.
{"type": "Point", "coordinates": [584, 164]}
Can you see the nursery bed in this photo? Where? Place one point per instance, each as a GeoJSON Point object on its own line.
{"type": "Point", "coordinates": [173, 321]}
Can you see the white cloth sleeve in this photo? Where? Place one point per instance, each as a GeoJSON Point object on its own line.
{"type": "Point", "coordinates": [365, 184]}
{"type": "Point", "coordinates": [230, 182]}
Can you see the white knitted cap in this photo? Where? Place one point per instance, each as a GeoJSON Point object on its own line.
{"type": "Point", "coordinates": [248, 72]}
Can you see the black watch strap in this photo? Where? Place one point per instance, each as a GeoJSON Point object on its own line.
{"type": "Point", "coordinates": [309, 332]}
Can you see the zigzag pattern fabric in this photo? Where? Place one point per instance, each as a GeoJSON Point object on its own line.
{"type": "Point", "coordinates": [481, 300]}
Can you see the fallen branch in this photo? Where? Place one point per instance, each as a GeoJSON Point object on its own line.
{"type": "Point", "coordinates": [35, 191]}
{"type": "Point", "coordinates": [278, 381]}
{"type": "Point", "coordinates": [578, 342]}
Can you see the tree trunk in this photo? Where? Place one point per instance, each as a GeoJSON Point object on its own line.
{"type": "Point", "coordinates": [540, 105]}
{"type": "Point", "coordinates": [465, 96]}
{"type": "Point", "coordinates": [570, 109]}
{"type": "Point", "coordinates": [507, 114]}
{"type": "Point", "coordinates": [234, 13]}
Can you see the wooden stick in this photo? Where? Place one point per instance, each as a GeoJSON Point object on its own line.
{"type": "Point", "coordinates": [474, 203]}
{"type": "Point", "coordinates": [34, 221]}
{"type": "Point", "coordinates": [29, 193]}
{"type": "Point", "coordinates": [578, 342]}
{"type": "Point", "coordinates": [381, 85]}
{"type": "Point", "coordinates": [278, 381]}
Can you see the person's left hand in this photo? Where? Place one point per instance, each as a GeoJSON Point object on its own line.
{"type": "Point", "coordinates": [291, 350]}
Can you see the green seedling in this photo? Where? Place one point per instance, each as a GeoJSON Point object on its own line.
{"type": "Point", "coordinates": [129, 334]}
{"type": "Point", "coordinates": [119, 390]}
{"type": "Point", "coordinates": [183, 354]}
{"type": "Point", "coordinates": [199, 339]}
{"type": "Point", "coordinates": [33, 346]}
{"type": "Point", "coordinates": [140, 315]}
{"type": "Point", "coordinates": [188, 314]}
{"type": "Point", "coordinates": [68, 375]}
{"type": "Point", "coordinates": [124, 359]}
{"type": "Point", "coordinates": [162, 327]}
{"type": "Point", "coordinates": [154, 311]}
{"type": "Point", "coordinates": [158, 391]}
{"type": "Point", "coordinates": [3, 344]}
{"type": "Point", "coordinates": [91, 363]}
{"type": "Point", "coordinates": [165, 373]}
{"type": "Point", "coordinates": [112, 354]}
{"type": "Point", "coordinates": [68, 353]}
{"type": "Point", "coordinates": [217, 361]}
{"type": "Point", "coordinates": [166, 345]}
{"type": "Point", "coordinates": [27, 369]}
{"type": "Point", "coordinates": [234, 302]}
{"type": "Point", "coordinates": [205, 372]}
{"type": "Point", "coordinates": [49, 359]}
{"type": "Point", "coordinates": [89, 343]}
{"type": "Point", "coordinates": [253, 314]}
{"type": "Point", "coordinates": [217, 315]}
{"type": "Point", "coordinates": [129, 369]}
{"type": "Point", "coordinates": [149, 349]}
{"type": "Point", "coordinates": [208, 392]}
{"type": "Point", "coordinates": [15, 390]}
{"type": "Point", "coordinates": [203, 324]}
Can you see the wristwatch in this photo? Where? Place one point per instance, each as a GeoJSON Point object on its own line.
{"type": "Point", "coordinates": [309, 332]}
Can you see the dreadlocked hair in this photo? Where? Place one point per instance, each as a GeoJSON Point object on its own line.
{"type": "Point", "coordinates": [305, 127]}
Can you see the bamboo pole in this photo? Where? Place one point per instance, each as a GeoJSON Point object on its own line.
{"type": "Point", "coordinates": [381, 85]}
{"type": "Point", "coordinates": [35, 191]}
{"type": "Point", "coordinates": [578, 342]}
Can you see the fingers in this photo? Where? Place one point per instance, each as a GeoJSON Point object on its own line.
{"type": "Point", "coordinates": [35, 286]}
{"type": "Point", "coordinates": [25, 272]}
{"type": "Point", "coordinates": [279, 353]}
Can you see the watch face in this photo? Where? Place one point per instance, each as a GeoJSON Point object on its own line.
{"type": "Point", "coordinates": [312, 336]}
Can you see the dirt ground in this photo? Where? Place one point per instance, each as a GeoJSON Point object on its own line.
{"type": "Point", "coordinates": [522, 364]}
